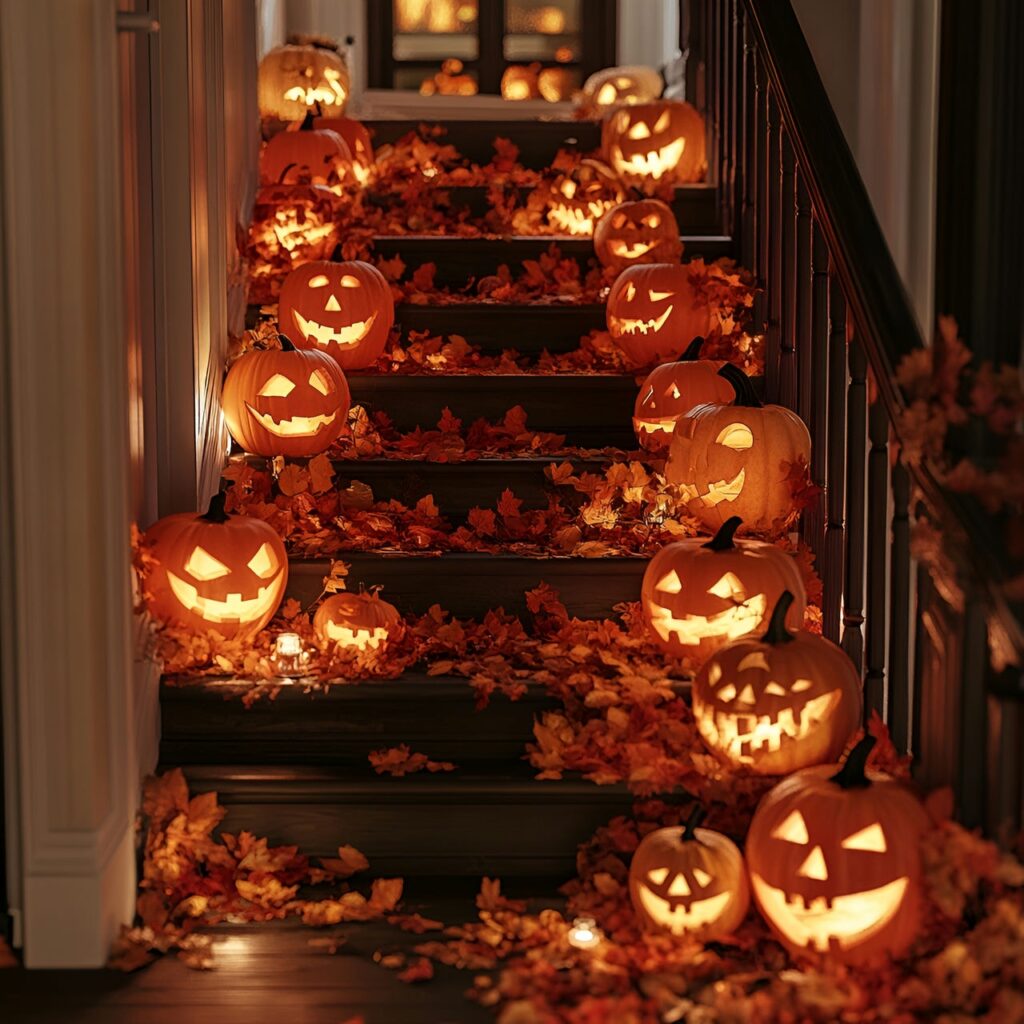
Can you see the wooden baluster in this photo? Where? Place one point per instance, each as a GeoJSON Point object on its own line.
{"type": "Point", "coordinates": [814, 391]}
{"type": "Point", "coordinates": [763, 135]}
{"type": "Point", "coordinates": [734, 106]}
{"type": "Point", "coordinates": [902, 697]}
{"type": "Point", "coordinates": [714, 57]}
{"type": "Point", "coordinates": [856, 465]}
{"type": "Point", "coordinates": [774, 256]}
{"type": "Point", "coordinates": [833, 566]}
{"type": "Point", "coordinates": [748, 180]}
{"type": "Point", "coordinates": [875, 696]}
{"type": "Point", "coordinates": [787, 277]}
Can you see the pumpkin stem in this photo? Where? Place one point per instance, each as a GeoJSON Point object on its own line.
{"type": "Point", "coordinates": [286, 343]}
{"type": "Point", "coordinates": [215, 512]}
{"type": "Point", "coordinates": [307, 121]}
{"type": "Point", "coordinates": [852, 774]}
{"type": "Point", "coordinates": [776, 633]}
{"type": "Point", "coordinates": [741, 385]}
{"type": "Point", "coordinates": [723, 540]}
{"type": "Point", "coordinates": [280, 177]}
{"type": "Point", "coordinates": [693, 350]}
{"type": "Point", "coordinates": [697, 815]}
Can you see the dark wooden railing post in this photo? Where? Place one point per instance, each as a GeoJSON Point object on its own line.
{"type": "Point", "coordinates": [787, 278]}
{"type": "Point", "coordinates": [814, 358]}
{"type": "Point", "coordinates": [856, 465]}
{"type": "Point", "coordinates": [876, 697]}
{"type": "Point", "coordinates": [834, 564]}
{"type": "Point", "coordinates": [748, 152]}
{"type": "Point", "coordinates": [773, 258]}
{"type": "Point", "coordinates": [902, 691]}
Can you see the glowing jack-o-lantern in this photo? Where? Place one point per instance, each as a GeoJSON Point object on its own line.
{"type": "Point", "coordinates": [644, 231]}
{"type": "Point", "coordinates": [344, 309]}
{"type": "Point", "coordinates": [779, 702]}
{"type": "Point", "coordinates": [689, 880]}
{"type": "Point", "coordinates": [735, 460]}
{"type": "Point", "coordinates": [519, 82]}
{"type": "Point", "coordinates": [833, 855]}
{"type": "Point", "coordinates": [654, 313]}
{"type": "Point", "coordinates": [625, 85]}
{"type": "Point", "coordinates": [303, 76]}
{"type": "Point", "coordinates": [671, 390]}
{"type": "Point", "coordinates": [287, 402]}
{"type": "Point", "coordinates": [316, 156]}
{"type": "Point", "coordinates": [579, 198]}
{"type": "Point", "coordinates": [357, 138]}
{"type": "Point", "coordinates": [215, 571]}
{"type": "Point", "coordinates": [360, 621]}
{"type": "Point", "coordinates": [655, 142]}
{"type": "Point", "coordinates": [698, 596]}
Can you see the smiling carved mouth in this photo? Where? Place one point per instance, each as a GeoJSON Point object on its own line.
{"type": "Point", "coordinates": [234, 608]}
{"type": "Point", "coordinates": [624, 325]}
{"type": "Point", "coordinates": [717, 492]}
{"type": "Point", "coordinates": [666, 424]}
{"type": "Point", "coordinates": [741, 736]}
{"type": "Point", "coordinates": [575, 221]}
{"type": "Point", "coordinates": [297, 426]}
{"type": "Point", "coordinates": [692, 629]}
{"type": "Point", "coordinates": [325, 336]}
{"type": "Point", "coordinates": [360, 637]}
{"type": "Point", "coordinates": [680, 919]}
{"type": "Point", "coordinates": [630, 252]}
{"type": "Point", "coordinates": [652, 165]}
{"type": "Point", "coordinates": [848, 920]}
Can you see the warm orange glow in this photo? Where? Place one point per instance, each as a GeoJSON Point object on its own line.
{"type": "Point", "coordinates": [449, 81]}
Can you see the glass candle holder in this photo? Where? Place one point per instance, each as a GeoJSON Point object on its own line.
{"type": "Point", "coordinates": [290, 658]}
{"type": "Point", "coordinates": [584, 933]}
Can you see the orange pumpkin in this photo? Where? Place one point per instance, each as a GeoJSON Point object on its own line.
{"type": "Point", "coordinates": [619, 86]}
{"type": "Point", "coordinates": [357, 138]}
{"type": "Point", "coordinates": [577, 199]}
{"type": "Point", "coordinates": [215, 571]}
{"type": "Point", "coordinates": [779, 702]}
{"type": "Point", "coordinates": [644, 231]}
{"type": "Point", "coordinates": [671, 390]}
{"type": "Point", "coordinates": [308, 156]}
{"type": "Point", "coordinates": [301, 76]}
{"type": "Point", "coordinates": [556, 85]}
{"type": "Point", "coordinates": [834, 860]}
{"type": "Point", "coordinates": [654, 313]}
{"type": "Point", "coordinates": [344, 309]}
{"type": "Point", "coordinates": [689, 881]}
{"type": "Point", "coordinates": [519, 82]}
{"type": "Point", "coordinates": [285, 402]}
{"type": "Point", "coordinates": [360, 621]}
{"type": "Point", "coordinates": [648, 143]}
{"type": "Point", "coordinates": [697, 596]}
{"type": "Point", "coordinates": [735, 460]}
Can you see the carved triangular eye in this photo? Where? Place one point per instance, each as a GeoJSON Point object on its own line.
{"type": "Point", "coordinates": [675, 392]}
{"type": "Point", "coordinates": [319, 281]}
{"type": "Point", "coordinates": [736, 436]}
{"type": "Point", "coordinates": [670, 582]}
{"type": "Point", "coordinates": [659, 296]}
{"type": "Point", "coordinates": [714, 673]}
{"type": "Point", "coordinates": [662, 123]}
{"type": "Point", "coordinates": [630, 292]}
{"type": "Point", "coordinates": [348, 281]}
{"type": "Point", "coordinates": [775, 690]}
{"type": "Point", "coordinates": [657, 876]}
{"type": "Point", "coordinates": [755, 659]}
{"type": "Point", "coordinates": [800, 685]}
{"type": "Point", "coordinates": [793, 830]}
{"type": "Point", "coordinates": [728, 586]}
{"type": "Point", "coordinates": [264, 562]}
{"type": "Point", "coordinates": [606, 94]}
{"type": "Point", "coordinates": [727, 693]}
{"type": "Point", "coordinates": [279, 386]}
{"type": "Point", "coordinates": [319, 380]}
{"type": "Point", "coordinates": [618, 220]}
{"type": "Point", "coordinates": [871, 839]}
{"type": "Point", "coordinates": [648, 399]}
{"type": "Point", "coordinates": [652, 220]}
{"type": "Point", "coordinates": [201, 565]}
{"type": "Point", "coordinates": [702, 876]}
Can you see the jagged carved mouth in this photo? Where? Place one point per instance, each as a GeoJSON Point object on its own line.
{"type": "Point", "coordinates": [291, 235]}
{"type": "Point", "coordinates": [692, 629]}
{"type": "Point", "coordinates": [622, 325]}
{"type": "Point", "coordinates": [630, 252]}
{"type": "Point", "coordinates": [576, 220]}
{"type": "Point", "coordinates": [297, 426]}
{"type": "Point", "coordinates": [679, 919]}
{"type": "Point", "coordinates": [359, 637]}
{"type": "Point", "coordinates": [846, 920]}
{"type": "Point", "coordinates": [324, 335]}
{"type": "Point", "coordinates": [742, 736]}
{"type": "Point", "coordinates": [666, 424]}
{"type": "Point", "coordinates": [234, 608]}
{"type": "Point", "coordinates": [719, 491]}
{"type": "Point", "coordinates": [652, 164]}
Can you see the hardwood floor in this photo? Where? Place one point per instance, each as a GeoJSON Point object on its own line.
{"type": "Point", "coordinates": [265, 974]}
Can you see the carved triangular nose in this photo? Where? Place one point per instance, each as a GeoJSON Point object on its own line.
{"type": "Point", "coordinates": [814, 866]}
{"type": "Point", "coordinates": [332, 305]}
{"type": "Point", "coordinates": [747, 695]}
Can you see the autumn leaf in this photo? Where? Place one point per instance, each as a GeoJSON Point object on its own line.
{"type": "Point", "coordinates": [348, 862]}
{"type": "Point", "coordinates": [400, 760]}
{"type": "Point", "coordinates": [421, 969]}
{"type": "Point", "coordinates": [321, 473]}
{"type": "Point", "coordinates": [509, 505]}
{"type": "Point", "coordinates": [292, 480]}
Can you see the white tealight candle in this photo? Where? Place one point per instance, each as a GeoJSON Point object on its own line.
{"type": "Point", "coordinates": [290, 656]}
{"type": "Point", "coordinates": [584, 933]}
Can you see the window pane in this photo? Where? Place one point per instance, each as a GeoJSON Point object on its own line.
{"type": "Point", "coordinates": [542, 30]}
{"type": "Point", "coordinates": [435, 29]}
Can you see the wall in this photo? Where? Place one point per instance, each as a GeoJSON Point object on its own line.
{"type": "Point", "coordinates": [879, 62]}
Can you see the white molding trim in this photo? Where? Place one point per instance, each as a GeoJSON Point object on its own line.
{"type": "Point", "coordinates": [66, 614]}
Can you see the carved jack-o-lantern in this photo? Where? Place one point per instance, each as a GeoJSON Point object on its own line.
{"type": "Point", "coordinates": [286, 402]}
{"type": "Point", "coordinates": [519, 82]}
{"type": "Point", "coordinates": [698, 596]}
{"type": "Point", "coordinates": [579, 198]}
{"type": "Point", "coordinates": [316, 156]}
{"type": "Point", "coordinates": [734, 460]}
{"type": "Point", "coordinates": [779, 702]}
{"type": "Point", "coordinates": [689, 880]}
{"type": "Point", "coordinates": [297, 78]}
{"type": "Point", "coordinates": [215, 571]}
{"type": "Point", "coordinates": [362, 621]}
{"type": "Point", "coordinates": [654, 142]}
{"type": "Point", "coordinates": [639, 232]}
{"type": "Point", "coordinates": [834, 860]}
{"type": "Point", "coordinates": [653, 312]}
{"type": "Point", "coordinates": [343, 309]}
{"type": "Point", "coordinates": [357, 138]}
{"type": "Point", "coordinates": [612, 87]}
{"type": "Point", "coordinates": [671, 390]}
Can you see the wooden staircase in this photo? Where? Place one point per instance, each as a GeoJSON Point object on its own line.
{"type": "Point", "coordinates": [295, 768]}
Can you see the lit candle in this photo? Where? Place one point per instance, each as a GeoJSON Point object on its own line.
{"type": "Point", "coordinates": [584, 933]}
{"type": "Point", "coordinates": [290, 656]}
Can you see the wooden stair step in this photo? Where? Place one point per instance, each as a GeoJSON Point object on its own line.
{"type": "Point", "coordinates": [468, 585]}
{"type": "Point", "coordinates": [494, 326]}
{"type": "Point", "coordinates": [538, 141]}
{"type": "Point", "coordinates": [460, 259]}
{"type": "Point", "coordinates": [446, 823]}
{"type": "Point", "coordinates": [205, 722]}
{"type": "Point", "coordinates": [591, 410]}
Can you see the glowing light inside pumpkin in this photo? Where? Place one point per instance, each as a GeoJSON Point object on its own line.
{"type": "Point", "coordinates": [234, 608]}
{"type": "Point", "coordinates": [584, 933]}
{"type": "Point", "coordinates": [682, 918]}
{"type": "Point", "coordinates": [359, 637]}
{"type": "Point", "coordinates": [690, 630]}
{"type": "Point", "coordinates": [331, 94]}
